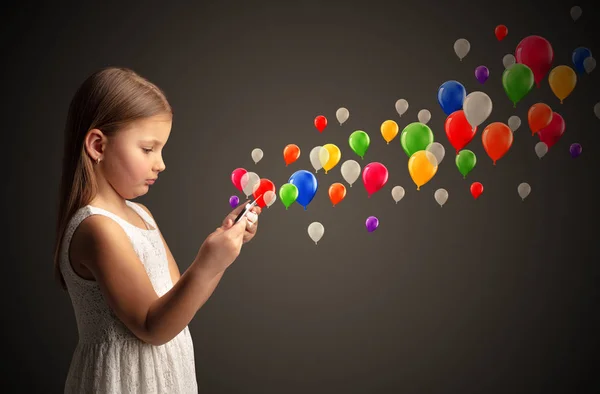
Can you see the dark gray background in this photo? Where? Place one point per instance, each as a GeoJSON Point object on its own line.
{"type": "Point", "coordinates": [487, 295]}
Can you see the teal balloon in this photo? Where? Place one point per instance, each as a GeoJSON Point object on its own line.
{"type": "Point", "coordinates": [359, 142]}
{"type": "Point", "coordinates": [288, 193]}
{"type": "Point", "coordinates": [415, 137]}
{"type": "Point", "coordinates": [465, 161]}
{"type": "Point", "coordinates": [518, 80]}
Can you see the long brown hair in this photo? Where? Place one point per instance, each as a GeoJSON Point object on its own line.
{"type": "Point", "coordinates": [108, 100]}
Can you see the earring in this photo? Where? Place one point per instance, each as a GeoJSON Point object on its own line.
{"type": "Point", "coordinates": [98, 160]}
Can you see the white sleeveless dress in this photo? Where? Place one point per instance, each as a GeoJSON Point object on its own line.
{"type": "Point", "coordinates": [109, 358]}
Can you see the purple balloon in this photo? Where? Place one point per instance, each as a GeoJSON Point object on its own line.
{"type": "Point", "coordinates": [372, 223]}
{"type": "Point", "coordinates": [575, 150]}
{"type": "Point", "coordinates": [234, 201]}
{"type": "Point", "coordinates": [482, 74]}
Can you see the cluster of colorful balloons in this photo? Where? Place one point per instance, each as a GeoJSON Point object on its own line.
{"type": "Point", "coordinates": [250, 183]}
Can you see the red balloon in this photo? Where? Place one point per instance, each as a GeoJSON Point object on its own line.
{"type": "Point", "coordinates": [375, 176]}
{"type": "Point", "coordinates": [459, 130]}
{"type": "Point", "coordinates": [536, 53]}
{"type": "Point", "coordinates": [552, 133]}
{"type": "Point", "coordinates": [501, 32]}
{"type": "Point", "coordinates": [320, 123]}
{"type": "Point", "coordinates": [476, 190]}
{"type": "Point", "coordinates": [236, 178]}
{"type": "Point", "coordinates": [497, 139]}
{"type": "Point", "coordinates": [264, 186]}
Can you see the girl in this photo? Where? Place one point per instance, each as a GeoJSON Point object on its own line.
{"type": "Point", "coordinates": [131, 305]}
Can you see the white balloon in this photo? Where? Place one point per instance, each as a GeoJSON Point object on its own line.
{"type": "Point", "coordinates": [477, 107]}
{"type": "Point", "coordinates": [269, 198]}
{"type": "Point", "coordinates": [424, 116]}
{"type": "Point", "coordinates": [597, 110]}
{"type": "Point", "coordinates": [524, 189]}
{"type": "Point", "coordinates": [323, 156]}
{"type": "Point", "coordinates": [315, 157]}
{"type": "Point", "coordinates": [589, 64]}
{"type": "Point", "coordinates": [576, 12]}
{"type": "Point", "coordinates": [441, 196]}
{"type": "Point", "coordinates": [350, 171]}
{"type": "Point", "coordinates": [541, 149]}
{"type": "Point", "coordinates": [257, 154]}
{"type": "Point", "coordinates": [438, 151]}
{"type": "Point", "coordinates": [514, 122]}
{"type": "Point", "coordinates": [316, 231]}
{"type": "Point", "coordinates": [508, 60]}
{"type": "Point", "coordinates": [249, 181]}
{"type": "Point", "coordinates": [462, 48]}
{"type": "Point", "coordinates": [398, 193]}
{"type": "Point", "coordinates": [342, 115]}
{"type": "Point", "coordinates": [401, 106]}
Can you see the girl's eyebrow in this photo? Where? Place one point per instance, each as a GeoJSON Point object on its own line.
{"type": "Point", "coordinates": [153, 140]}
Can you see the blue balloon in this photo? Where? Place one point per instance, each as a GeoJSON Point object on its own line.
{"type": "Point", "coordinates": [451, 96]}
{"type": "Point", "coordinates": [579, 55]}
{"type": "Point", "coordinates": [307, 186]}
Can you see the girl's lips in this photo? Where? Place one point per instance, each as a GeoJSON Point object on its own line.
{"type": "Point", "coordinates": [150, 181]}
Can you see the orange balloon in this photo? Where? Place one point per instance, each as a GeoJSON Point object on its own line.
{"type": "Point", "coordinates": [497, 139]}
{"type": "Point", "coordinates": [291, 153]}
{"type": "Point", "coordinates": [539, 116]}
{"type": "Point", "coordinates": [337, 192]}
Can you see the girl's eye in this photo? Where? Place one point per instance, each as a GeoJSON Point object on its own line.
{"type": "Point", "coordinates": [147, 150]}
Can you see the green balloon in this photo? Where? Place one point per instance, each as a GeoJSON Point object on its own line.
{"type": "Point", "coordinates": [518, 80]}
{"type": "Point", "coordinates": [288, 193]}
{"type": "Point", "coordinates": [465, 161]}
{"type": "Point", "coordinates": [415, 137]}
{"type": "Point", "coordinates": [359, 142]}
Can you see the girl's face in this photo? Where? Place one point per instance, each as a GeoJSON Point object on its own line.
{"type": "Point", "coordinates": [133, 157]}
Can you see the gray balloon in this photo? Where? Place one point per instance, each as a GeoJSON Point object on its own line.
{"type": "Point", "coordinates": [524, 189]}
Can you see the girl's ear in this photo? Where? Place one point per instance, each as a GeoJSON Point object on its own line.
{"type": "Point", "coordinates": [95, 142]}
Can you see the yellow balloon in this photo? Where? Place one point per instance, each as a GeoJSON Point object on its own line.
{"type": "Point", "coordinates": [389, 130]}
{"type": "Point", "coordinates": [422, 167]}
{"type": "Point", "coordinates": [334, 156]}
{"type": "Point", "coordinates": [562, 81]}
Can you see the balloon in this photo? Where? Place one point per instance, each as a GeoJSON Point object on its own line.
{"type": "Point", "coordinates": [451, 95]}
{"type": "Point", "coordinates": [291, 153]}
{"type": "Point", "coordinates": [562, 81]}
{"type": "Point", "coordinates": [320, 123]}
{"type": "Point", "coordinates": [508, 60]}
{"type": "Point", "coordinates": [576, 12]}
{"type": "Point", "coordinates": [575, 150]}
{"type": "Point", "coordinates": [337, 192]}
{"type": "Point", "coordinates": [359, 142]}
{"type": "Point", "coordinates": [236, 177]}
{"type": "Point", "coordinates": [249, 181]}
{"type": "Point", "coordinates": [541, 149]}
{"type": "Point", "coordinates": [497, 139]}
{"type": "Point", "coordinates": [589, 64]}
{"type": "Point", "coordinates": [523, 189]}
{"type": "Point", "coordinates": [288, 193]}
{"type": "Point", "coordinates": [461, 48]}
{"type": "Point", "coordinates": [257, 155]}
{"type": "Point", "coordinates": [316, 231]}
{"type": "Point", "coordinates": [552, 133]}
{"type": "Point", "coordinates": [465, 162]}
{"type": "Point", "coordinates": [514, 122]}
{"type": "Point", "coordinates": [476, 189]}
{"type": "Point", "coordinates": [234, 201]}
{"type": "Point", "coordinates": [441, 196]}
{"type": "Point", "coordinates": [539, 116]}
{"type": "Point", "coordinates": [517, 80]}
{"type": "Point", "coordinates": [578, 57]}
{"type": "Point", "coordinates": [375, 176]}
{"type": "Point", "coordinates": [350, 171]}
{"type": "Point", "coordinates": [458, 130]}
{"type": "Point", "coordinates": [318, 156]}
{"type": "Point", "coordinates": [536, 53]}
{"type": "Point", "coordinates": [307, 186]}
{"type": "Point", "coordinates": [398, 193]}
{"type": "Point", "coordinates": [372, 223]}
{"type": "Point", "coordinates": [333, 157]}
{"type": "Point", "coordinates": [424, 116]}
{"type": "Point", "coordinates": [264, 186]}
{"type": "Point", "coordinates": [389, 130]}
{"type": "Point", "coordinates": [342, 115]}
{"type": "Point", "coordinates": [438, 151]}
{"type": "Point", "coordinates": [597, 110]}
{"type": "Point", "coordinates": [482, 74]}
{"type": "Point", "coordinates": [421, 167]}
{"type": "Point", "coordinates": [477, 107]}
{"type": "Point", "coordinates": [401, 106]}
{"type": "Point", "coordinates": [269, 197]}
{"type": "Point", "coordinates": [501, 32]}
{"type": "Point", "coordinates": [415, 137]}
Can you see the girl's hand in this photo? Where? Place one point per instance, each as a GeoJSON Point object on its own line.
{"type": "Point", "coordinates": [251, 219]}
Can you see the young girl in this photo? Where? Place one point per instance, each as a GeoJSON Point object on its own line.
{"type": "Point", "coordinates": [131, 305]}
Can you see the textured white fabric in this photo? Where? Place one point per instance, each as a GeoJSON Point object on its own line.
{"type": "Point", "coordinates": [109, 358]}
